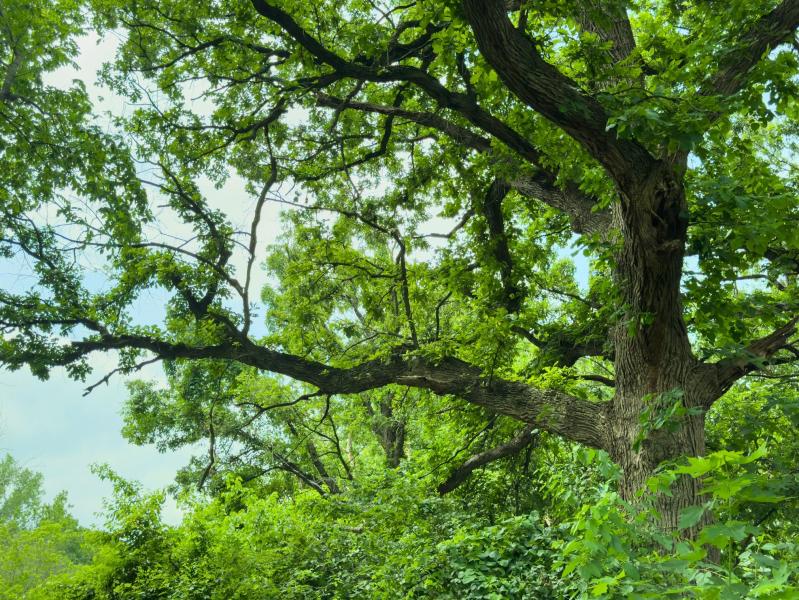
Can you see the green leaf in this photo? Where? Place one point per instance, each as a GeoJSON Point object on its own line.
{"type": "Point", "coordinates": [690, 516]}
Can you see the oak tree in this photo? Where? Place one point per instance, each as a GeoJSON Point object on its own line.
{"type": "Point", "coordinates": [437, 161]}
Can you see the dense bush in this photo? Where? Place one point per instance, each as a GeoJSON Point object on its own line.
{"type": "Point", "coordinates": [390, 538]}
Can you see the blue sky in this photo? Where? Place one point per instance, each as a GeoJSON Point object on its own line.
{"type": "Point", "coordinates": [50, 427]}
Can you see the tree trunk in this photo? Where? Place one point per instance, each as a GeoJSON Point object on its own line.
{"type": "Point", "coordinates": [639, 458]}
{"type": "Point", "coordinates": [656, 413]}
{"type": "Point", "coordinates": [389, 429]}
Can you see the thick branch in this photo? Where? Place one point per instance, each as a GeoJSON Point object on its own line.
{"type": "Point", "coordinates": [752, 358]}
{"type": "Point", "coordinates": [573, 202]}
{"type": "Point", "coordinates": [498, 239]}
{"type": "Point", "coordinates": [555, 411]}
{"type": "Point", "coordinates": [541, 186]}
{"type": "Point", "coordinates": [389, 429]}
{"type": "Point", "coordinates": [768, 32]}
{"type": "Point", "coordinates": [547, 91]}
{"type": "Point", "coordinates": [614, 28]}
{"type": "Point", "coordinates": [11, 74]}
{"type": "Point", "coordinates": [461, 103]}
{"type": "Point", "coordinates": [458, 476]}
{"type": "Point", "coordinates": [552, 410]}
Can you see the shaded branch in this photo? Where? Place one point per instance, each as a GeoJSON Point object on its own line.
{"type": "Point", "coordinates": [768, 32]}
{"type": "Point", "coordinates": [524, 438]}
{"type": "Point", "coordinates": [211, 449]}
{"type": "Point", "coordinates": [614, 28]}
{"type": "Point", "coordinates": [291, 467]}
{"type": "Point", "coordinates": [756, 355]}
{"type": "Point", "coordinates": [460, 134]}
{"type": "Point", "coordinates": [597, 378]}
{"type": "Point", "coordinates": [541, 186]}
{"type": "Point", "coordinates": [461, 103]}
{"type": "Point", "coordinates": [253, 245]}
{"type": "Point", "coordinates": [577, 205]}
{"type": "Point", "coordinates": [555, 411]}
{"type": "Point", "coordinates": [498, 239]}
{"type": "Point", "coordinates": [316, 461]}
{"type": "Point", "coordinates": [564, 347]}
{"type": "Point", "coordinates": [404, 288]}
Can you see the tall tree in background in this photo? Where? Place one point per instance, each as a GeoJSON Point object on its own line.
{"type": "Point", "coordinates": [656, 136]}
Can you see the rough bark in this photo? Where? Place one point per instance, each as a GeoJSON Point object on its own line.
{"type": "Point", "coordinates": [614, 27]}
{"type": "Point", "coordinates": [653, 357]}
{"type": "Point", "coordinates": [550, 93]}
{"type": "Point", "coordinates": [491, 209]}
{"type": "Point", "coordinates": [765, 34]}
{"type": "Point", "coordinates": [552, 410]}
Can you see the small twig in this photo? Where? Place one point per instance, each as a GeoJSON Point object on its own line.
{"type": "Point", "coordinates": [263, 409]}
{"type": "Point", "coordinates": [598, 378]}
{"type": "Point", "coordinates": [254, 234]}
{"type": "Point", "coordinates": [107, 378]}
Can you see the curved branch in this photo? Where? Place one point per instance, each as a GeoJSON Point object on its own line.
{"type": "Point", "coordinates": [552, 410]}
{"type": "Point", "coordinates": [757, 354]}
{"type": "Point", "coordinates": [458, 133]}
{"type": "Point", "coordinates": [541, 186]}
{"type": "Point", "coordinates": [547, 91]}
{"type": "Point", "coordinates": [523, 439]}
{"type": "Point", "coordinates": [768, 32]}
{"type": "Point", "coordinates": [461, 103]}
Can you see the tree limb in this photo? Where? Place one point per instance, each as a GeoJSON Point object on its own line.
{"type": "Point", "coordinates": [460, 134]}
{"type": "Point", "coordinates": [727, 371]}
{"type": "Point", "coordinates": [577, 205]}
{"type": "Point", "coordinates": [768, 32]}
{"type": "Point", "coordinates": [461, 103]}
{"type": "Point", "coordinates": [524, 438]}
{"type": "Point", "coordinates": [498, 240]}
{"type": "Point", "coordinates": [614, 27]}
{"type": "Point", "coordinates": [564, 347]}
{"type": "Point", "coordinates": [541, 186]}
{"type": "Point", "coordinates": [547, 91]}
{"type": "Point", "coordinates": [555, 411]}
